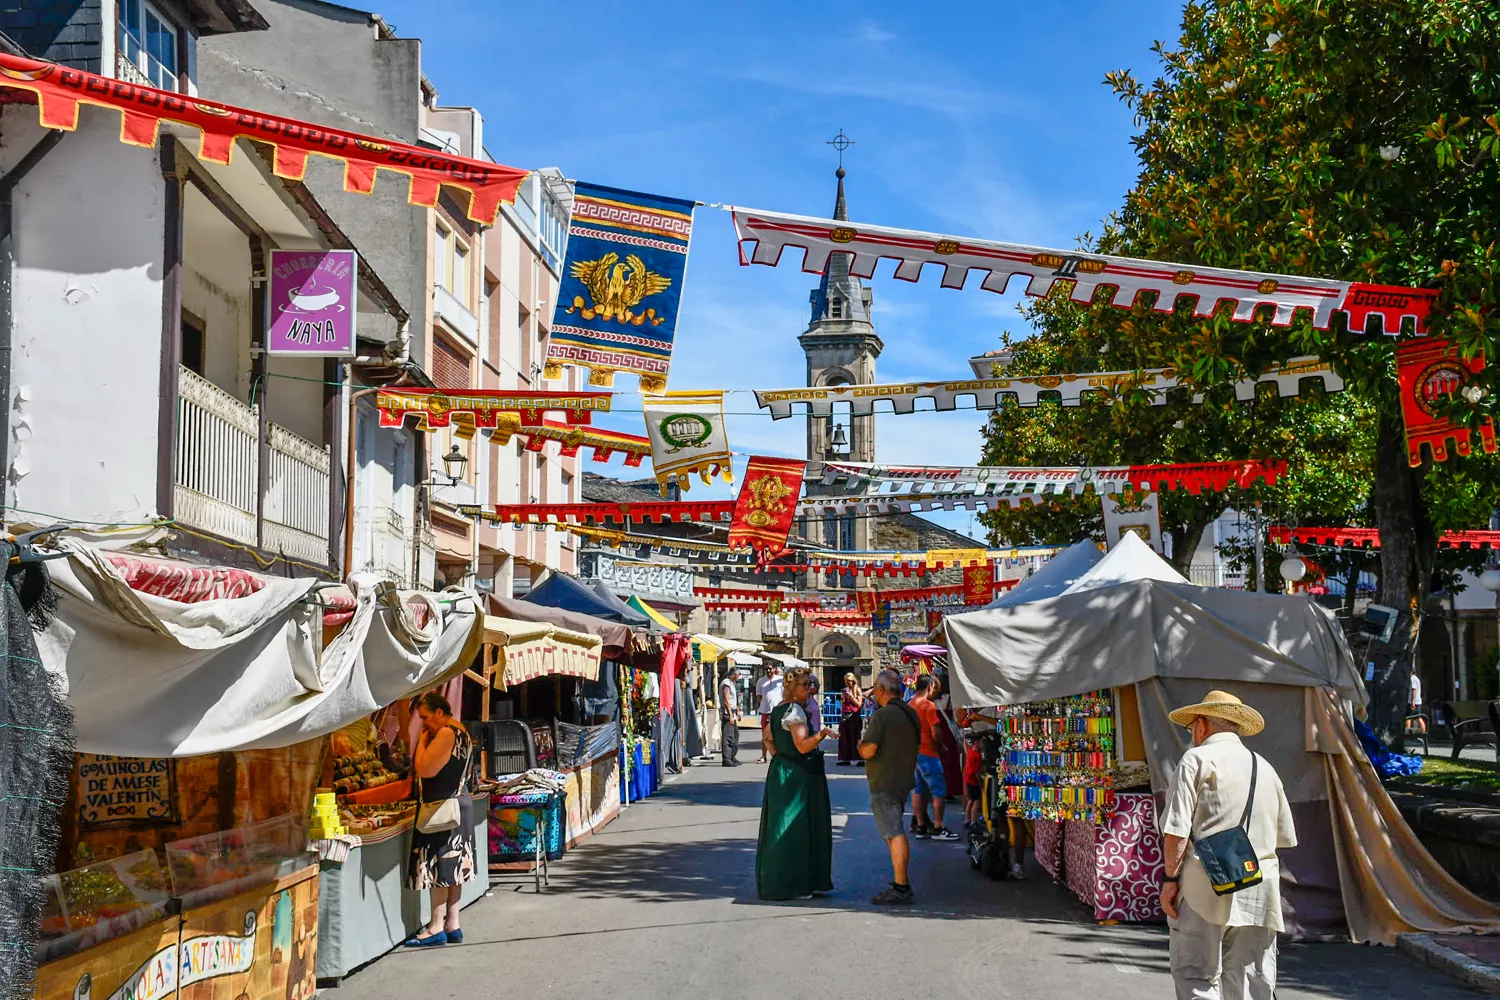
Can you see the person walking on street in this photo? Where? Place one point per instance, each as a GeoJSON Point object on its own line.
{"type": "Point", "coordinates": [850, 722]}
{"type": "Point", "coordinates": [729, 718]}
{"type": "Point", "coordinates": [931, 786]}
{"type": "Point", "coordinates": [768, 690]}
{"type": "Point", "coordinates": [889, 749]}
{"type": "Point", "coordinates": [1223, 947]}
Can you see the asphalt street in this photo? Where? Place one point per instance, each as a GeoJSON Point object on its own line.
{"type": "Point", "coordinates": [662, 904]}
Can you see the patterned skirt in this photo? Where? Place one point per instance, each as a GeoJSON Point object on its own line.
{"type": "Point", "coordinates": [446, 858]}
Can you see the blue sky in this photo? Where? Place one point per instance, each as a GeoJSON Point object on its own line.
{"type": "Point", "coordinates": [983, 119]}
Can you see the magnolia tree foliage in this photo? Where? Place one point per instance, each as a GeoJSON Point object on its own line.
{"type": "Point", "coordinates": [1357, 141]}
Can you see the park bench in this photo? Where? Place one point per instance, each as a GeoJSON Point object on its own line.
{"type": "Point", "coordinates": [1473, 722]}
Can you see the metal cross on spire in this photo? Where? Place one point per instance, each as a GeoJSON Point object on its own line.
{"type": "Point", "coordinates": [841, 142]}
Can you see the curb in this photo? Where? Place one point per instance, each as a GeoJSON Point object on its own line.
{"type": "Point", "coordinates": [1426, 948]}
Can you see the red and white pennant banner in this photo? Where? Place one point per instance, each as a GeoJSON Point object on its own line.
{"type": "Point", "coordinates": [771, 233]}
{"type": "Point", "coordinates": [989, 392]}
{"type": "Point", "coordinates": [1369, 538]}
{"type": "Point", "coordinates": [991, 480]}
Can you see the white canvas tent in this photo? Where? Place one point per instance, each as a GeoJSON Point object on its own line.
{"type": "Point", "coordinates": [1055, 576]}
{"type": "Point", "coordinates": [1132, 623]}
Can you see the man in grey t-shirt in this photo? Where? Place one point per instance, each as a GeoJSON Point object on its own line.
{"type": "Point", "coordinates": [889, 747]}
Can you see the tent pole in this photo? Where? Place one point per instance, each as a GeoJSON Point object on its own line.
{"type": "Point", "coordinates": [1260, 550]}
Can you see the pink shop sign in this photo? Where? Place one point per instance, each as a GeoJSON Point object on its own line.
{"type": "Point", "coordinates": [312, 303]}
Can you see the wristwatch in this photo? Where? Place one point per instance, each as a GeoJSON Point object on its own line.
{"type": "Point", "coordinates": [1172, 878]}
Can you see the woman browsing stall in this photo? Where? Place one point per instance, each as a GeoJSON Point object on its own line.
{"type": "Point", "coordinates": [442, 844]}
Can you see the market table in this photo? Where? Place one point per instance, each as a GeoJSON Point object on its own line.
{"type": "Point", "coordinates": [1116, 868]}
{"type": "Point", "coordinates": [364, 907]}
{"type": "Point", "coordinates": [513, 839]}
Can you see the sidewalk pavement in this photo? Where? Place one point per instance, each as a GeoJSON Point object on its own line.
{"type": "Point", "coordinates": [1468, 958]}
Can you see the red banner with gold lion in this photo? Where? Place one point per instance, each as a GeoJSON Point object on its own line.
{"type": "Point", "coordinates": [767, 504]}
{"type": "Point", "coordinates": [60, 90]}
{"type": "Point", "coordinates": [979, 583]}
{"type": "Point", "coordinates": [1431, 372]}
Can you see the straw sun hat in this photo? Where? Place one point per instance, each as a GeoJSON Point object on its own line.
{"type": "Point", "coordinates": [1222, 705]}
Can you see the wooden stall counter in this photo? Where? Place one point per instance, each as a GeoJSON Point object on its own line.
{"type": "Point", "coordinates": [257, 944]}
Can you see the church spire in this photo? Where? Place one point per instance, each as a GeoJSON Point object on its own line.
{"type": "Point", "coordinates": [840, 295]}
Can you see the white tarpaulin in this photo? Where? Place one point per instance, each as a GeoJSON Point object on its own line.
{"type": "Point", "coordinates": [1131, 618]}
{"type": "Point", "coordinates": [1055, 577]}
{"type": "Point", "coordinates": [152, 677]}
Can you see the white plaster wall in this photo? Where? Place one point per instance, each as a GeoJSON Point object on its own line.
{"type": "Point", "coordinates": [88, 313]}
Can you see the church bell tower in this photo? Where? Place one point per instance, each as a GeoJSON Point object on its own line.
{"type": "Point", "coordinates": [841, 345]}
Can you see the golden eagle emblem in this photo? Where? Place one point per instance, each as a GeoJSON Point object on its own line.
{"type": "Point", "coordinates": [766, 494]}
{"type": "Point", "coordinates": [616, 289]}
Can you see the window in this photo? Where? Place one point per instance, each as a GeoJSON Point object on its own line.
{"type": "Point", "coordinates": [460, 284]}
{"type": "Point", "coordinates": [442, 249]}
{"type": "Point", "coordinates": [149, 41]}
{"type": "Point", "coordinates": [836, 308]}
{"type": "Point", "coordinates": [192, 342]}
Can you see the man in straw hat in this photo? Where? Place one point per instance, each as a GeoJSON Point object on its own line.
{"type": "Point", "coordinates": [1223, 946]}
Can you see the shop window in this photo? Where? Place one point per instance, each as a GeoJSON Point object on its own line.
{"type": "Point", "coordinates": [149, 41]}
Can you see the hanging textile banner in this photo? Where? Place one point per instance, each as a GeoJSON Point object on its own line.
{"type": "Point", "coordinates": [958, 557]}
{"type": "Point", "coordinates": [767, 504]}
{"type": "Point", "coordinates": [572, 437]}
{"type": "Point", "coordinates": [866, 601]}
{"type": "Point", "coordinates": [1430, 372]}
{"type": "Point", "coordinates": [819, 506]}
{"type": "Point", "coordinates": [1191, 476]}
{"type": "Point", "coordinates": [934, 619]}
{"type": "Point", "coordinates": [991, 392]}
{"type": "Point", "coordinates": [621, 286]}
{"type": "Point", "coordinates": [665, 512]}
{"type": "Point", "coordinates": [979, 583]}
{"type": "Point", "coordinates": [722, 556]}
{"type": "Point", "coordinates": [1132, 512]}
{"type": "Point", "coordinates": [1369, 538]}
{"type": "Point", "coordinates": [60, 90]}
{"type": "Point", "coordinates": [687, 436]}
{"type": "Point", "coordinates": [837, 619]}
{"type": "Point", "coordinates": [768, 608]}
{"type": "Point", "coordinates": [772, 232]}
{"type": "Point", "coordinates": [437, 407]}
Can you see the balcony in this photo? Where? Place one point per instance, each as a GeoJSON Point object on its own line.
{"type": "Point", "coordinates": [216, 479]}
{"type": "Point", "coordinates": [453, 314]}
{"type": "Point", "coordinates": [384, 545]}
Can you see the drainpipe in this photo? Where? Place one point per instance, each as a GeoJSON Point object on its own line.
{"type": "Point", "coordinates": [8, 185]}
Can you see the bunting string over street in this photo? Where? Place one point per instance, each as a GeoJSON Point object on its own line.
{"type": "Point", "coordinates": [765, 236]}
{"type": "Point", "coordinates": [992, 390]}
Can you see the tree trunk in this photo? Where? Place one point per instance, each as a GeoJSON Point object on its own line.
{"type": "Point", "coordinates": [1407, 547]}
{"type": "Point", "coordinates": [1185, 539]}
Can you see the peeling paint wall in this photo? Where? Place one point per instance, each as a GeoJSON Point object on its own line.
{"type": "Point", "coordinates": [88, 312]}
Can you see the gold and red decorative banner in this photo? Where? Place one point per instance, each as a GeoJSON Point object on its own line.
{"type": "Point", "coordinates": [574, 436]}
{"type": "Point", "coordinates": [866, 601]}
{"type": "Point", "coordinates": [767, 504]}
{"type": "Point", "coordinates": [486, 407]}
{"type": "Point", "coordinates": [1369, 538]}
{"type": "Point", "coordinates": [1430, 371]}
{"type": "Point", "coordinates": [1251, 293]}
{"type": "Point", "coordinates": [720, 556]}
{"type": "Point", "coordinates": [665, 512]}
{"type": "Point", "coordinates": [934, 619]}
{"type": "Point", "coordinates": [836, 619]}
{"type": "Point", "coordinates": [979, 584]}
{"type": "Point", "coordinates": [60, 90]}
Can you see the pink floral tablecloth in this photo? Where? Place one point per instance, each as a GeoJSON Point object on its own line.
{"type": "Point", "coordinates": [1115, 868]}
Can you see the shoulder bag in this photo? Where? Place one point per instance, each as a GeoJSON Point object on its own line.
{"type": "Point", "coordinates": [441, 815]}
{"type": "Point", "coordinates": [1228, 857]}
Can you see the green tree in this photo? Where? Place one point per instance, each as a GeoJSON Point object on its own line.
{"type": "Point", "coordinates": [1348, 140]}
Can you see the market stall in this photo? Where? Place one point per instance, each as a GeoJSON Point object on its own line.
{"type": "Point", "coordinates": [1127, 628]}
{"type": "Point", "coordinates": [212, 705]}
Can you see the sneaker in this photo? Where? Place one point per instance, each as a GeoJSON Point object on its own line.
{"type": "Point", "coordinates": [1017, 872]}
{"type": "Point", "coordinates": [894, 895]}
{"type": "Point", "coordinates": [922, 833]}
{"type": "Point", "coordinates": [943, 833]}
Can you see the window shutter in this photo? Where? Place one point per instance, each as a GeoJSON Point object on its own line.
{"type": "Point", "coordinates": [450, 366]}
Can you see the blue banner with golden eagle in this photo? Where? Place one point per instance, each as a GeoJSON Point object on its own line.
{"type": "Point", "coordinates": [621, 286]}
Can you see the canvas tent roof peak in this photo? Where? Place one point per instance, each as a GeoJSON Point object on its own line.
{"type": "Point", "coordinates": [615, 636]}
{"type": "Point", "coordinates": [629, 614]}
{"type": "Point", "coordinates": [1056, 576]}
{"type": "Point", "coordinates": [559, 590]}
{"type": "Point", "coordinates": [651, 612]}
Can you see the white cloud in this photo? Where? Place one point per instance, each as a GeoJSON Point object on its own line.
{"type": "Point", "coordinates": [872, 34]}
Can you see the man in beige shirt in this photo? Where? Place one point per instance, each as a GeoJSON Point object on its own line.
{"type": "Point", "coordinates": [1223, 947]}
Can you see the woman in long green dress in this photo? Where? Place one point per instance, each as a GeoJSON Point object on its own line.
{"type": "Point", "coordinates": [794, 857]}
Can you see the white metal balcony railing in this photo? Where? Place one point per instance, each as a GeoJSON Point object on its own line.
{"type": "Point", "coordinates": [217, 474]}
{"type": "Point", "coordinates": [390, 550]}
{"type": "Point", "coordinates": [452, 313]}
